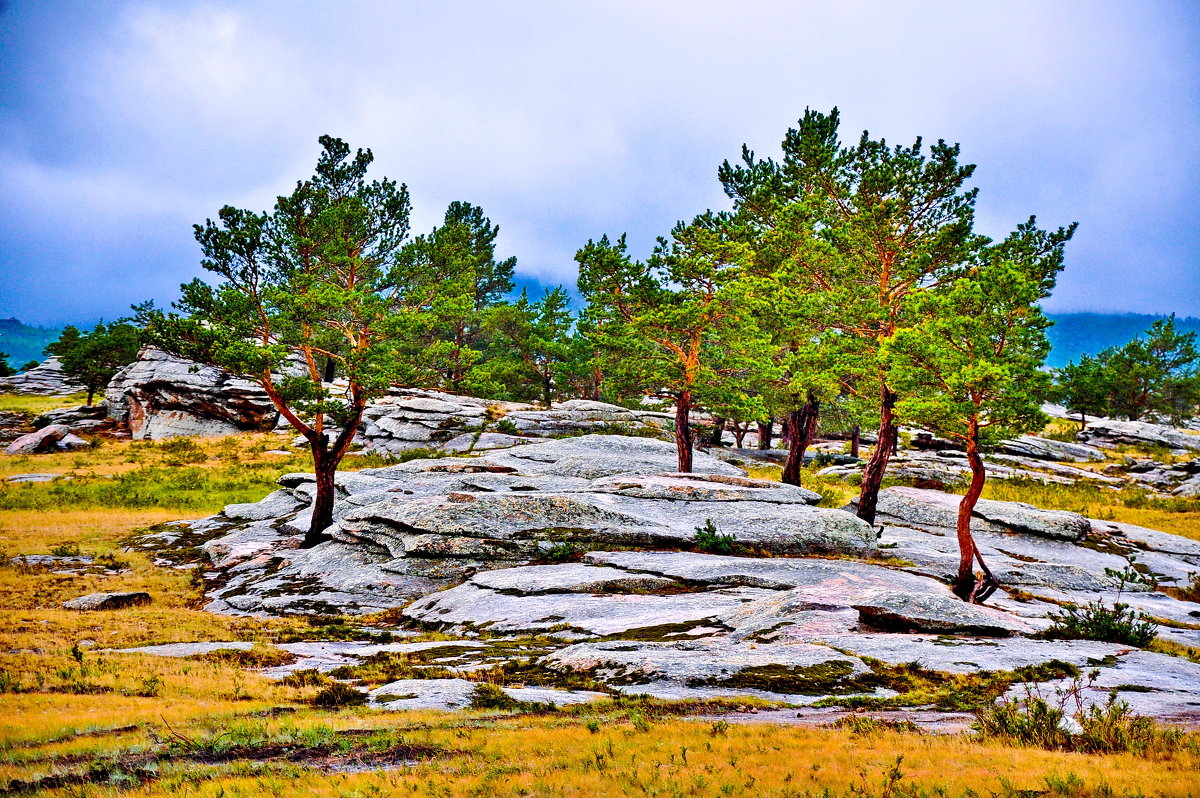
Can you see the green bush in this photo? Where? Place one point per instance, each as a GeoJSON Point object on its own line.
{"type": "Point", "coordinates": [1097, 621]}
{"type": "Point", "coordinates": [709, 539]}
{"type": "Point", "coordinates": [507, 426]}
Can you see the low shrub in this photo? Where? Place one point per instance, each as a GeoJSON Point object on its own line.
{"type": "Point", "coordinates": [1097, 621]}
{"type": "Point", "coordinates": [339, 696]}
{"type": "Point", "coordinates": [709, 539]}
{"type": "Point", "coordinates": [1108, 728]}
{"type": "Point", "coordinates": [489, 696]}
{"type": "Point", "coordinates": [308, 677]}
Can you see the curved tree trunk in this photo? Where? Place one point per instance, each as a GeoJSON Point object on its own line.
{"type": "Point", "coordinates": [966, 586]}
{"type": "Point", "coordinates": [868, 497]}
{"type": "Point", "coordinates": [803, 424]}
{"type": "Point", "coordinates": [683, 431]}
{"type": "Point", "coordinates": [739, 432]}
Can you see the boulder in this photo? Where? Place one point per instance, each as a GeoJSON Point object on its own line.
{"type": "Point", "coordinates": [47, 439]}
{"type": "Point", "coordinates": [84, 417]}
{"type": "Point", "coordinates": [163, 396]}
{"type": "Point", "coordinates": [108, 601]}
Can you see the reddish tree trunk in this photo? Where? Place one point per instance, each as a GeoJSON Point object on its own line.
{"type": "Point", "coordinates": [966, 586]}
{"type": "Point", "coordinates": [766, 429]}
{"type": "Point", "coordinates": [868, 497]}
{"type": "Point", "coordinates": [854, 441]}
{"type": "Point", "coordinates": [683, 431]}
{"type": "Point", "coordinates": [325, 468]}
{"type": "Point", "coordinates": [327, 456]}
{"type": "Point", "coordinates": [803, 424]}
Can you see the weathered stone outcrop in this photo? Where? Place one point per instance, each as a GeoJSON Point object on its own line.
{"type": "Point", "coordinates": [576, 556]}
{"type": "Point", "coordinates": [163, 396]}
{"type": "Point", "coordinates": [406, 530]}
{"type": "Point", "coordinates": [1047, 449]}
{"type": "Point", "coordinates": [1109, 433]}
{"type": "Point", "coordinates": [45, 379]}
{"type": "Point", "coordinates": [413, 419]}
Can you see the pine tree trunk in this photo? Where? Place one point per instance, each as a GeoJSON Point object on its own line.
{"type": "Point", "coordinates": [90, 395]}
{"type": "Point", "coordinates": [868, 497]}
{"type": "Point", "coordinates": [854, 440]}
{"type": "Point", "coordinates": [547, 387]}
{"type": "Point", "coordinates": [739, 433]}
{"type": "Point", "coordinates": [803, 423]}
{"type": "Point", "coordinates": [718, 431]}
{"type": "Point", "coordinates": [966, 586]}
{"type": "Point", "coordinates": [765, 431]}
{"type": "Point", "coordinates": [683, 431]}
{"type": "Point", "coordinates": [325, 468]}
{"type": "Point", "coordinates": [327, 457]}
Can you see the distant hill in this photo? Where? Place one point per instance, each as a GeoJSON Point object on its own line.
{"type": "Point", "coordinates": [24, 343]}
{"type": "Point", "coordinates": [1075, 334]}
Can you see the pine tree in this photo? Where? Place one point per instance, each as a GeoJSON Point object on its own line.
{"type": "Point", "coordinates": [967, 364]}
{"type": "Point", "coordinates": [1085, 387]}
{"type": "Point", "coordinates": [679, 324]}
{"type": "Point", "coordinates": [91, 359]}
{"type": "Point", "coordinates": [321, 266]}
{"type": "Point", "coordinates": [534, 342]}
{"type": "Point", "coordinates": [862, 227]}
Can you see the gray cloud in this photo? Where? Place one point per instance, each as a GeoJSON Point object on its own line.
{"type": "Point", "coordinates": [126, 122]}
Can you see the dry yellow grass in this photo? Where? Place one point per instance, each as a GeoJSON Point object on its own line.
{"type": "Point", "coordinates": [558, 756]}
{"type": "Point", "coordinates": [122, 456]}
{"type": "Point", "coordinates": [35, 405]}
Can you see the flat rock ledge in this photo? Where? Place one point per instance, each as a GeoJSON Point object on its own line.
{"type": "Point", "coordinates": [405, 531]}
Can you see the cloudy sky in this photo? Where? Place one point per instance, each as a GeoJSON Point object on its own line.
{"type": "Point", "coordinates": [123, 123]}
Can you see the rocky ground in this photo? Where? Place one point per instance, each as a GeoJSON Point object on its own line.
{"type": "Point", "coordinates": [558, 546]}
{"type": "Point", "coordinates": [580, 564]}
